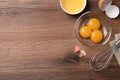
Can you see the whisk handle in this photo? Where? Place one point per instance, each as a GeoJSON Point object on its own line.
{"type": "Point", "coordinates": [117, 43]}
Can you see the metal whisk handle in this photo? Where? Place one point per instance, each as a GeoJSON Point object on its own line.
{"type": "Point", "coordinates": [117, 43]}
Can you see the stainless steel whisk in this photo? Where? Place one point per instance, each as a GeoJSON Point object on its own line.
{"type": "Point", "coordinates": [102, 60]}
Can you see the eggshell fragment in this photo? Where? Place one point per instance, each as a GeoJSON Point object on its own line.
{"type": "Point", "coordinates": [80, 50]}
{"type": "Point", "coordinates": [77, 49]}
{"type": "Point", "coordinates": [82, 53]}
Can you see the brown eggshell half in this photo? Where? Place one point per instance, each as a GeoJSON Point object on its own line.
{"type": "Point", "coordinates": [102, 4]}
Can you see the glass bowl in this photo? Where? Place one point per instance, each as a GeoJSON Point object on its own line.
{"type": "Point", "coordinates": [105, 28]}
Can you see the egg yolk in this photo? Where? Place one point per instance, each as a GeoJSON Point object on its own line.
{"type": "Point", "coordinates": [96, 36]}
{"type": "Point", "coordinates": [85, 32]}
{"type": "Point", "coordinates": [73, 6]}
{"type": "Point", "coordinates": [94, 23]}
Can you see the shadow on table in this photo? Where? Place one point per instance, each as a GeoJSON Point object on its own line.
{"type": "Point", "coordinates": [113, 71]}
{"type": "Point", "coordinates": [72, 58]}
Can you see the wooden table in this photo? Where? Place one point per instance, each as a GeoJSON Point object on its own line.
{"type": "Point", "coordinates": [36, 37]}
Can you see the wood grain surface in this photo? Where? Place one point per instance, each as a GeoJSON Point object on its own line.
{"type": "Point", "coordinates": [36, 37]}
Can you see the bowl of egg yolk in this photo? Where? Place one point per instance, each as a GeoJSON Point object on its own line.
{"type": "Point", "coordinates": [73, 7]}
{"type": "Point", "coordinates": [93, 29]}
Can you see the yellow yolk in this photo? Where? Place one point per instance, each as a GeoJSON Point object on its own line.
{"type": "Point", "coordinates": [96, 36]}
{"type": "Point", "coordinates": [85, 32]}
{"type": "Point", "coordinates": [73, 6]}
{"type": "Point", "coordinates": [94, 23]}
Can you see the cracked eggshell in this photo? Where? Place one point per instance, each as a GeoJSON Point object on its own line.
{"type": "Point", "coordinates": [102, 4]}
{"type": "Point", "coordinates": [112, 11]}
